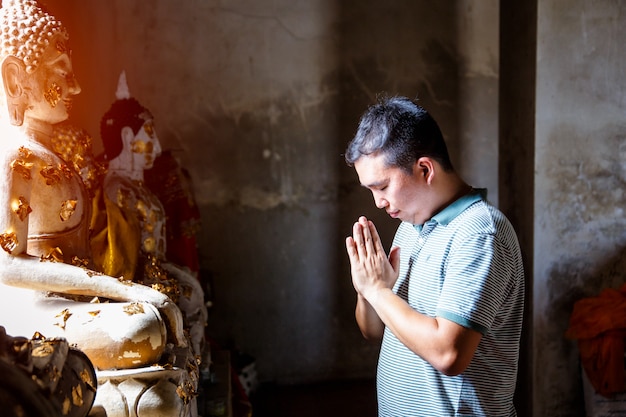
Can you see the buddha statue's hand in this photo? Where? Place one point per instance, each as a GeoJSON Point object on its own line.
{"type": "Point", "coordinates": [174, 320]}
{"type": "Point", "coordinates": [169, 310]}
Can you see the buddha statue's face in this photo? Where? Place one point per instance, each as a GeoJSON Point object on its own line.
{"type": "Point", "coordinates": [51, 87]}
{"type": "Point", "coordinates": [146, 144]}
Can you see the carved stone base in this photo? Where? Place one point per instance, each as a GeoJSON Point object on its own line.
{"type": "Point", "coordinates": [146, 392]}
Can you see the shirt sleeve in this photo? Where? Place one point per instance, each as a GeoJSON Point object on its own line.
{"type": "Point", "coordinates": [476, 282]}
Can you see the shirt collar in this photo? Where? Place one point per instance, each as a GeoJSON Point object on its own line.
{"type": "Point", "coordinates": [449, 213]}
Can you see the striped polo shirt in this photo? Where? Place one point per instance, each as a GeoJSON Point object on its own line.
{"type": "Point", "coordinates": [463, 265]}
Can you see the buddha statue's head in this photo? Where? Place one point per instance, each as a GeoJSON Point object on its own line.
{"type": "Point", "coordinates": [128, 126]}
{"type": "Point", "coordinates": [37, 73]}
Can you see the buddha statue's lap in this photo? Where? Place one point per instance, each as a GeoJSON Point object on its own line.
{"type": "Point", "coordinates": [113, 335]}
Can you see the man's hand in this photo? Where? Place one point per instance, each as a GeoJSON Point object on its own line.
{"type": "Point", "coordinates": [370, 267]}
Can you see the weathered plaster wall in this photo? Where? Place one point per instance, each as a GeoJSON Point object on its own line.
{"type": "Point", "coordinates": [580, 178]}
{"type": "Point", "coordinates": [258, 99]}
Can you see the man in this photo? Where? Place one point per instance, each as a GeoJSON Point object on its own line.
{"type": "Point", "coordinates": [448, 300]}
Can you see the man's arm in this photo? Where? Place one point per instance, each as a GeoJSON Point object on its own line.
{"type": "Point", "coordinates": [370, 324]}
{"type": "Point", "coordinates": [447, 346]}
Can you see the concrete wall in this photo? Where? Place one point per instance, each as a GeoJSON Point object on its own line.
{"type": "Point", "coordinates": [580, 177]}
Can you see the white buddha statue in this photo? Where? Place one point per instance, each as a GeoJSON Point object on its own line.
{"type": "Point", "coordinates": [44, 226]}
{"type": "Point", "coordinates": [131, 146]}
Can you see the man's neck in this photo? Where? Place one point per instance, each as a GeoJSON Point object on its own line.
{"type": "Point", "coordinates": [450, 188]}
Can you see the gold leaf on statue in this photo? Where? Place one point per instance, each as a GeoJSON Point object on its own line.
{"type": "Point", "coordinates": [54, 255]}
{"type": "Point", "coordinates": [77, 396]}
{"type": "Point", "coordinates": [22, 208]}
{"type": "Point", "coordinates": [76, 261]}
{"type": "Point", "coordinates": [67, 406]}
{"type": "Point", "coordinates": [22, 167]}
{"type": "Point", "coordinates": [53, 95]}
{"type": "Point", "coordinates": [86, 377]}
{"type": "Point", "coordinates": [63, 316]}
{"type": "Point", "coordinates": [42, 350]}
{"type": "Point", "coordinates": [66, 170]}
{"type": "Point", "coordinates": [51, 174]}
{"type": "Point", "coordinates": [67, 209]}
{"type": "Point", "coordinates": [133, 308]}
{"type": "Point", "coordinates": [8, 242]}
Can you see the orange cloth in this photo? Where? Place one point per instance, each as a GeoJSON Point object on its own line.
{"type": "Point", "coordinates": [599, 325]}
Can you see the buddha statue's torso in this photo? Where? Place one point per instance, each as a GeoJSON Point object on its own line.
{"type": "Point", "coordinates": [55, 194]}
{"type": "Point", "coordinates": [133, 197]}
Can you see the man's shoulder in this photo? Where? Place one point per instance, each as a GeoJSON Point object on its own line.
{"type": "Point", "coordinates": [483, 214]}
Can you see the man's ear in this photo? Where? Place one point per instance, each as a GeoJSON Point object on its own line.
{"type": "Point", "coordinates": [13, 79]}
{"type": "Point", "coordinates": [425, 168]}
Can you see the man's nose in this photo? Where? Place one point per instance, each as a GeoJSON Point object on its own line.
{"type": "Point", "coordinates": [381, 203]}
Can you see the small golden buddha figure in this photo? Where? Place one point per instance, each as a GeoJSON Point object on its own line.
{"type": "Point", "coordinates": [47, 283]}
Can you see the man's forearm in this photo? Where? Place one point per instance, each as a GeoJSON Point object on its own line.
{"type": "Point", "coordinates": [369, 323]}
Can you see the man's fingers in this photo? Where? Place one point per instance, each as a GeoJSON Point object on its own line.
{"type": "Point", "coordinates": [372, 239]}
{"type": "Point", "coordinates": [351, 247]}
{"type": "Point", "coordinates": [368, 242]}
{"type": "Point", "coordinates": [377, 242]}
{"type": "Point", "coordinates": [359, 239]}
{"type": "Point", "coordinates": [365, 243]}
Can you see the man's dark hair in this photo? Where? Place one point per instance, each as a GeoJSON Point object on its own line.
{"type": "Point", "coordinates": [400, 129]}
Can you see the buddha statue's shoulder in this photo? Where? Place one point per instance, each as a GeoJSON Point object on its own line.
{"type": "Point", "coordinates": [124, 191]}
{"type": "Point", "coordinates": [27, 157]}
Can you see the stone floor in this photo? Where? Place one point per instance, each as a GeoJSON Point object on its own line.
{"type": "Point", "coordinates": [328, 399]}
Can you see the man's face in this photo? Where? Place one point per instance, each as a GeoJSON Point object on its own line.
{"type": "Point", "coordinates": [394, 189]}
{"type": "Point", "coordinates": [52, 85]}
